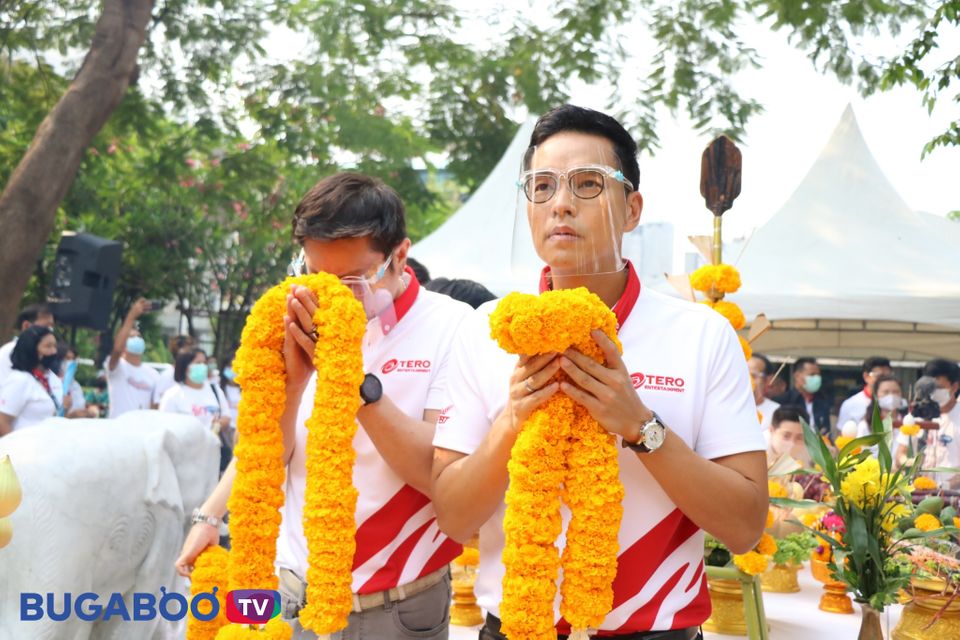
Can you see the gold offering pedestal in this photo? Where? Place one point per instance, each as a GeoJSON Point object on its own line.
{"type": "Point", "coordinates": [464, 611]}
{"type": "Point", "coordinates": [920, 621]}
{"type": "Point", "coordinates": [834, 598]}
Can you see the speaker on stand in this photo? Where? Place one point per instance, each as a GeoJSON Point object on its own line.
{"type": "Point", "coordinates": [85, 274]}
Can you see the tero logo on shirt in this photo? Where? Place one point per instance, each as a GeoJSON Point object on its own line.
{"type": "Point", "coordinates": [405, 366]}
{"type": "Point", "coordinates": [657, 382]}
{"type": "Point", "coordinates": [252, 606]}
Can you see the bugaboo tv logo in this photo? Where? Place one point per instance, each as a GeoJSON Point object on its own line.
{"type": "Point", "coordinates": [252, 606]}
{"type": "Point", "coordinates": [654, 382]}
{"type": "Point", "coordinates": [405, 366]}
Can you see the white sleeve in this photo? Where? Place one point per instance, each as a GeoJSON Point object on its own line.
{"type": "Point", "coordinates": [729, 420]}
{"type": "Point", "coordinates": [170, 402]}
{"type": "Point", "coordinates": [437, 393]}
{"type": "Point", "coordinates": [467, 415]}
{"type": "Point", "coordinates": [76, 394]}
{"type": "Point", "coordinates": [6, 366]}
{"type": "Point", "coordinates": [845, 410]}
{"type": "Point", "coordinates": [13, 395]}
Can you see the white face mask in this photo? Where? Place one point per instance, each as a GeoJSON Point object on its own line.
{"type": "Point", "coordinates": [890, 402]}
{"type": "Point", "coordinates": [941, 396]}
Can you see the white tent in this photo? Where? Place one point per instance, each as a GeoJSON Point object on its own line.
{"type": "Point", "coordinates": [846, 268]}
{"type": "Point", "coordinates": [476, 241]}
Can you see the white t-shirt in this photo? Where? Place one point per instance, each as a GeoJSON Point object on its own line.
{"type": "Point", "coordinates": [232, 392]}
{"type": "Point", "coordinates": [943, 446]}
{"type": "Point", "coordinates": [23, 397]}
{"type": "Point", "coordinates": [6, 364]}
{"type": "Point", "coordinates": [687, 365]}
{"type": "Point", "coordinates": [130, 387]}
{"type": "Point", "coordinates": [766, 409]}
{"type": "Point", "coordinates": [165, 381]}
{"type": "Point", "coordinates": [78, 401]}
{"type": "Point", "coordinates": [853, 408]}
{"type": "Point", "coordinates": [204, 403]}
{"type": "Point", "coordinates": [398, 539]}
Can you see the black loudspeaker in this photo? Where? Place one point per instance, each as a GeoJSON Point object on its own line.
{"type": "Point", "coordinates": [85, 274]}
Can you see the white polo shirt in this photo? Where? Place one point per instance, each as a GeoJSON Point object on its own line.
{"type": "Point", "coordinates": [397, 536]}
{"type": "Point", "coordinates": [687, 365]}
{"type": "Point", "coordinates": [130, 387]}
{"type": "Point", "coordinates": [853, 408]}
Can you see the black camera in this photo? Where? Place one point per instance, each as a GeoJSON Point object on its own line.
{"type": "Point", "coordinates": [924, 406]}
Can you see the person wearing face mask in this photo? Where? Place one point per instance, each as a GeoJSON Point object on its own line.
{"type": "Point", "coordinates": [34, 314]}
{"type": "Point", "coordinates": [194, 394]}
{"type": "Point", "coordinates": [943, 445]}
{"type": "Point", "coordinates": [807, 393]}
{"type": "Point", "coordinates": [886, 396]}
{"type": "Point", "coordinates": [74, 402]}
{"type": "Point", "coordinates": [785, 436]}
{"type": "Point", "coordinates": [129, 381]}
{"type": "Point", "coordinates": [855, 405]}
{"type": "Point", "coordinates": [31, 392]}
{"type": "Point", "coordinates": [165, 381]}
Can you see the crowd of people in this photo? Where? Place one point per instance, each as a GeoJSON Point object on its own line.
{"type": "Point", "coordinates": [443, 404]}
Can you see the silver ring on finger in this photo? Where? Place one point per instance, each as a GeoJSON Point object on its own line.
{"type": "Point", "coordinates": [528, 386]}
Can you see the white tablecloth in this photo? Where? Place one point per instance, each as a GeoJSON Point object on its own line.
{"type": "Point", "coordinates": [791, 616]}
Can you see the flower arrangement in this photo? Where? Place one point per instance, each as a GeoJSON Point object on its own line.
{"type": "Point", "coordinates": [560, 453]}
{"type": "Point", "coordinates": [330, 497]}
{"type": "Point", "coordinates": [872, 518]}
{"type": "Point", "coordinates": [753, 562]}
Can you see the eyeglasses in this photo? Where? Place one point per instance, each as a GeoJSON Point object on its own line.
{"type": "Point", "coordinates": [298, 267]}
{"type": "Point", "coordinates": [585, 182]}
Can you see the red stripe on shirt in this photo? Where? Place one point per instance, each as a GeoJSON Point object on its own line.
{"type": "Point", "coordinates": [644, 617]}
{"type": "Point", "coordinates": [696, 577]}
{"type": "Point", "coordinates": [640, 561]}
{"type": "Point", "coordinates": [388, 575]}
{"type": "Point", "coordinates": [380, 529]}
{"type": "Point", "coordinates": [444, 555]}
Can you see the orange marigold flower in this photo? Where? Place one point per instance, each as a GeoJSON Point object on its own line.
{"type": "Point", "coordinates": [747, 349]}
{"type": "Point", "coordinates": [770, 519]}
{"type": "Point", "coordinates": [715, 279]}
{"type": "Point", "coordinates": [776, 490]}
{"type": "Point", "coordinates": [767, 545]}
{"type": "Point", "coordinates": [927, 522]}
{"type": "Point", "coordinates": [923, 482]}
{"type": "Point", "coordinates": [751, 563]}
{"type": "Point", "coordinates": [208, 573]}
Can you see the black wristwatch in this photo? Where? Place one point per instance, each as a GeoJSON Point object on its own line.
{"type": "Point", "coordinates": [652, 434]}
{"type": "Point", "coordinates": [371, 390]}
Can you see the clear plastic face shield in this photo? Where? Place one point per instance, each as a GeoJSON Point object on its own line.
{"type": "Point", "coordinates": [369, 289]}
{"type": "Point", "coordinates": [572, 209]}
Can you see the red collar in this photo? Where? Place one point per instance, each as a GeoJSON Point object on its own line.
{"type": "Point", "coordinates": [866, 391]}
{"type": "Point", "coordinates": [627, 300]}
{"type": "Point", "coordinates": [406, 299]}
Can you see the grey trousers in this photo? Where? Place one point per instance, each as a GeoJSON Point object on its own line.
{"type": "Point", "coordinates": [425, 615]}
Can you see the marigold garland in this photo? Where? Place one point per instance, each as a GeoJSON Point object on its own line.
{"type": "Point", "coordinates": [208, 571]}
{"type": "Point", "coordinates": [559, 444]}
{"type": "Point", "coordinates": [257, 494]}
{"type": "Point", "coordinates": [728, 310]}
{"type": "Point", "coordinates": [715, 279]}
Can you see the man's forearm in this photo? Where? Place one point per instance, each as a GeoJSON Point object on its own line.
{"type": "Point", "coordinates": [216, 504]}
{"type": "Point", "coordinates": [406, 443]}
{"type": "Point", "coordinates": [727, 498]}
{"type": "Point", "coordinates": [468, 489]}
{"type": "Point", "coordinates": [120, 340]}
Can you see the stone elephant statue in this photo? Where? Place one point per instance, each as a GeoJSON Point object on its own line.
{"type": "Point", "coordinates": [105, 510]}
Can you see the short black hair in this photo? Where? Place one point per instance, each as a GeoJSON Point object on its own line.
{"type": "Point", "coordinates": [571, 118]}
{"type": "Point", "coordinates": [351, 205]}
{"type": "Point", "coordinates": [802, 362]}
{"type": "Point", "coordinates": [419, 270]}
{"type": "Point", "coordinates": [767, 365]}
{"type": "Point", "coordinates": [473, 293]}
{"type": "Point", "coordinates": [942, 367]}
{"type": "Point", "coordinates": [24, 356]}
{"type": "Point", "coordinates": [873, 362]}
{"type": "Point", "coordinates": [176, 343]}
{"type": "Point", "coordinates": [184, 358]}
{"type": "Point", "coordinates": [30, 313]}
{"type": "Point", "coordinates": [871, 408]}
{"type": "Point", "coordinates": [788, 413]}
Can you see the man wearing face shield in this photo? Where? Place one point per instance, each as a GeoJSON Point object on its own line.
{"type": "Point", "coordinates": [130, 382]}
{"type": "Point", "coordinates": [679, 399]}
{"type": "Point", "coordinates": [353, 226]}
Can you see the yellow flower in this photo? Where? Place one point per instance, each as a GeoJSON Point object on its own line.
{"type": "Point", "coordinates": [257, 494]}
{"type": "Point", "coordinates": [892, 513]}
{"type": "Point", "coordinates": [770, 519]}
{"type": "Point", "coordinates": [809, 519]}
{"type": "Point", "coordinates": [715, 279]}
{"type": "Point", "coordinates": [751, 563]}
{"type": "Point", "coordinates": [561, 452]}
{"type": "Point", "coordinates": [862, 486]}
{"type": "Point", "coordinates": [956, 521]}
{"type": "Point", "coordinates": [776, 490]}
{"type": "Point", "coordinates": [767, 545]}
{"type": "Point", "coordinates": [923, 482]}
{"type": "Point", "coordinates": [927, 522]}
{"type": "Point", "coordinates": [469, 558]}
{"type": "Point", "coordinates": [209, 570]}
{"type": "Point", "coordinates": [910, 429]}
